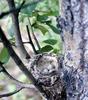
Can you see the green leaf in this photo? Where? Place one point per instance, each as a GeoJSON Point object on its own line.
{"type": "Point", "coordinates": [55, 51]}
{"type": "Point", "coordinates": [54, 29]}
{"type": "Point", "coordinates": [4, 55]}
{"type": "Point", "coordinates": [28, 10]}
{"type": "Point", "coordinates": [12, 40]}
{"type": "Point", "coordinates": [41, 18]}
{"type": "Point", "coordinates": [51, 13]}
{"type": "Point", "coordinates": [22, 17]}
{"type": "Point", "coordinates": [48, 21]}
{"type": "Point", "coordinates": [46, 48]}
{"type": "Point", "coordinates": [40, 27]}
{"type": "Point", "coordinates": [50, 41]}
{"type": "Point", "coordinates": [34, 13]}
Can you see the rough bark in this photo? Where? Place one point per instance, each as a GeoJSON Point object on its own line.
{"type": "Point", "coordinates": [74, 32]}
{"type": "Point", "coordinates": [70, 79]}
{"type": "Point", "coordinates": [47, 70]}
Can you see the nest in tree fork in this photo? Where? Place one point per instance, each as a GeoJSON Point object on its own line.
{"type": "Point", "coordinates": [46, 69]}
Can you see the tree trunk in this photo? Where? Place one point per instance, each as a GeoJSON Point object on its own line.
{"type": "Point", "coordinates": [74, 32]}
{"type": "Point", "coordinates": [68, 79]}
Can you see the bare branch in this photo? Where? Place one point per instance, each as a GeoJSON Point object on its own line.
{"type": "Point", "coordinates": [37, 43]}
{"type": "Point", "coordinates": [15, 20]}
{"type": "Point", "coordinates": [3, 14]}
{"type": "Point", "coordinates": [14, 56]}
{"type": "Point", "coordinates": [20, 64]}
{"type": "Point", "coordinates": [31, 42]}
{"type": "Point", "coordinates": [1, 68]}
{"type": "Point", "coordinates": [19, 83]}
{"type": "Point", "coordinates": [11, 93]}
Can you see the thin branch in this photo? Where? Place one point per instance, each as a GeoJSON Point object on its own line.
{"type": "Point", "coordinates": [1, 68]}
{"type": "Point", "coordinates": [14, 56]}
{"type": "Point", "coordinates": [12, 78]}
{"type": "Point", "coordinates": [21, 6]}
{"type": "Point", "coordinates": [3, 14]}
{"type": "Point", "coordinates": [19, 83]}
{"type": "Point", "coordinates": [37, 43]}
{"type": "Point", "coordinates": [17, 32]}
{"type": "Point", "coordinates": [31, 42]}
{"type": "Point", "coordinates": [11, 93]}
{"type": "Point", "coordinates": [20, 64]}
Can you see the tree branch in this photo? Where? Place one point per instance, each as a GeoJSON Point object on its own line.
{"type": "Point", "coordinates": [3, 14]}
{"type": "Point", "coordinates": [11, 93]}
{"type": "Point", "coordinates": [19, 83]}
{"type": "Point", "coordinates": [37, 43]}
{"type": "Point", "coordinates": [17, 32]}
{"type": "Point", "coordinates": [31, 42]}
{"type": "Point", "coordinates": [20, 64]}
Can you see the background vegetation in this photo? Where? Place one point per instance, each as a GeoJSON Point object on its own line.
{"type": "Point", "coordinates": [41, 19]}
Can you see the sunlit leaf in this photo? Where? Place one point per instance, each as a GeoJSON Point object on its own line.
{"type": "Point", "coordinates": [4, 55]}
{"type": "Point", "coordinates": [40, 27]}
{"type": "Point", "coordinates": [34, 14]}
{"type": "Point", "coordinates": [51, 13]}
{"type": "Point", "coordinates": [50, 41]}
{"type": "Point", "coordinates": [41, 18]}
{"type": "Point", "coordinates": [55, 51]}
{"type": "Point", "coordinates": [54, 29]}
{"type": "Point", "coordinates": [28, 10]}
{"type": "Point", "coordinates": [46, 48]}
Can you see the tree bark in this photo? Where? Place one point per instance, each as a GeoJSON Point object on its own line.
{"type": "Point", "coordinates": [74, 32]}
{"type": "Point", "coordinates": [68, 80]}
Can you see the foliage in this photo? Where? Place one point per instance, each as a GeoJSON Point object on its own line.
{"type": "Point", "coordinates": [42, 17]}
{"type": "Point", "coordinates": [4, 55]}
{"type": "Point", "coordinates": [43, 20]}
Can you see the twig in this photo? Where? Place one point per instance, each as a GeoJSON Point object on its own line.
{"type": "Point", "coordinates": [21, 6]}
{"type": "Point", "coordinates": [10, 93]}
{"type": "Point", "coordinates": [19, 83]}
{"type": "Point", "coordinates": [1, 68]}
{"type": "Point", "coordinates": [20, 64]}
{"type": "Point", "coordinates": [15, 57]}
{"type": "Point", "coordinates": [3, 14]}
{"type": "Point", "coordinates": [24, 54]}
{"type": "Point", "coordinates": [14, 10]}
{"type": "Point", "coordinates": [31, 42]}
{"type": "Point", "coordinates": [37, 43]}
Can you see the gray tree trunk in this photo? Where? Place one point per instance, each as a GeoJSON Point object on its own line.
{"type": "Point", "coordinates": [74, 24]}
{"type": "Point", "coordinates": [66, 78]}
